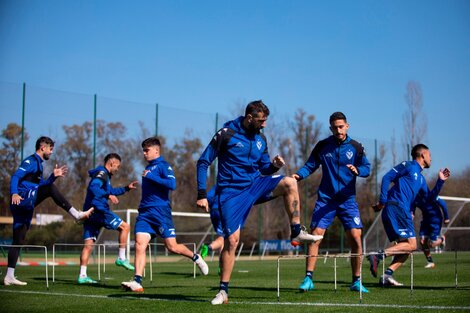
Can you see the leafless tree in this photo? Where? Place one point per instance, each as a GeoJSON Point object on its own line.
{"type": "Point", "coordinates": [414, 118]}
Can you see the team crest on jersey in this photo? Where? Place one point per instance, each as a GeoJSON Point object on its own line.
{"type": "Point", "coordinates": [259, 144]}
{"type": "Point", "coordinates": [357, 220]}
{"type": "Point", "coordinates": [349, 154]}
{"type": "Point", "coordinates": [328, 155]}
{"type": "Point", "coordinates": [239, 145]}
{"type": "Point", "coordinates": [415, 175]}
{"type": "Point", "coordinates": [161, 230]}
{"type": "Point", "coordinates": [169, 168]}
{"type": "Point", "coordinates": [27, 161]}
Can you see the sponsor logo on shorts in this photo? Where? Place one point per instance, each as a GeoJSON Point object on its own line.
{"type": "Point", "coordinates": [357, 220]}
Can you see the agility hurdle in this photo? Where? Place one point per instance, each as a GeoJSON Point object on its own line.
{"type": "Point", "coordinates": [75, 244]}
{"type": "Point", "coordinates": [335, 257]}
{"type": "Point", "coordinates": [33, 246]}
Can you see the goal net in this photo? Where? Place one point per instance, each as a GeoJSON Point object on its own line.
{"type": "Point", "coordinates": [456, 231]}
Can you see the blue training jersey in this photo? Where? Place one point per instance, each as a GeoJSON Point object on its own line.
{"type": "Point", "coordinates": [157, 184]}
{"type": "Point", "coordinates": [434, 210]}
{"type": "Point", "coordinates": [337, 182]}
{"type": "Point", "coordinates": [99, 189]}
{"type": "Point", "coordinates": [242, 157]}
{"type": "Point", "coordinates": [29, 176]}
{"type": "Point", "coordinates": [408, 183]}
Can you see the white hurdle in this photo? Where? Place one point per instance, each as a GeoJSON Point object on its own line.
{"type": "Point", "coordinates": [73, 244]}
{"type": "Point", "coordinates": [33, 246]}
{"type": "Point", "coordinates": [284, 257]}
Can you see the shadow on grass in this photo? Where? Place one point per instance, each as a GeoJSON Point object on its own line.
{"type": "Point", "coordinates": [160, 297]}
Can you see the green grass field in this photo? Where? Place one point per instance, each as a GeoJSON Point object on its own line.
{"type": "Point", "coordinates": [253, 288]}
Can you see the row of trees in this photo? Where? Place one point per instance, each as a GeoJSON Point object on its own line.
{"type": "Point", "coordinates": [294, 141]}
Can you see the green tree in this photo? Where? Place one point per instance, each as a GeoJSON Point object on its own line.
{"type": "Point", "coordinates": [9, 162]}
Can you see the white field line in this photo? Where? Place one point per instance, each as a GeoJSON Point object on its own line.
{"type": "Point", "coordinates": [317, 304]}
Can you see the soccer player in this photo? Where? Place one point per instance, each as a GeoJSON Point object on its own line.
{"type": "Point", "coordinates": [408, 182]}
{"type": "Point", "coordinates": [28, 188]}
{"type": "Point", "coordinates": [342, 159]}
{"type": "Point", "coordinates": [434, 213]}
{"type": "Point", "coordinates": [245, 174]}
{"type": "Point", "coordinates": [99, 192]}
{"type": "Point", "coordinates": [154, 217]}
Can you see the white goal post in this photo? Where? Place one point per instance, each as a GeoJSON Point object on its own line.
{"type": "Point", "coordinates": [376, 233]}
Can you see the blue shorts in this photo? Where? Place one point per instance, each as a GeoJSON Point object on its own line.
{"type": "Point", "coordinates": [213, 200]}
{"type": "Point", "coordinates": [324, 213]}
{"type": "Point", "coordinates": [99, 219]}
{"type": "Point", "coordinates": [23, 213]}
{"type": "Point", "coordinates": [235, 205]}
{"type": "Point", "coordinates": [398, 222]}
{"type": "Point", "coordinates": [430, 229]}
{"type": "Point", "coordinates": [155, 221]}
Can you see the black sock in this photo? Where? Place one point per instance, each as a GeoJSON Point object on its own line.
{"type": "Point", "coordinates": [294, 230]}
{"type": "Point", "coordinates": [224, 286]}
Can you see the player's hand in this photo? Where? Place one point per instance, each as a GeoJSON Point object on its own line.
{"type": "Point", "coordinates": [16, 199]}
{"type": "Point", "coordinates": [60, 171]}
{"type": "Point", "coordinates": [295, 176]}
{"type": "Point", "coordinates": [444, 174]}
{"type": "Point", "coordinates": [113, 199]}
{"type": "Point", "coordinates": [447, 221]}
{"type": "Point", "coordinates": [378, 207]}
{"type": "Point", "coordinates": [133, 185]}
{"type": "Point", "coordinates": [203, 204]}
{"type": "Point", "coordinates": [353, 169]}
{"type": "Point", "coordinates": [144, 173]}
{"type": "Point", "coordinates": [278, 161]}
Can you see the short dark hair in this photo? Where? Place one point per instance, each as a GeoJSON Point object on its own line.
{"type": "Point", "coordinates": [152, 141]}
{"type": "Point", "coordinates": [418, 150]}
{"type": "Point", "coordinates": [112, 156]}
{"type": "Point", "coordinates": [255, 107]}
{"type": "Point", "coordinates": [43, 140]}
{"type": "Point", "coordinates": [337, 116]}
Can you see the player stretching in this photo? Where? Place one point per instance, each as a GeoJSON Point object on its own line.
{"type": "Point", "coordinates": [430, 228]}
{"type": "Point", "coordinates": [342, 159]}
{"type": "Point", "coordinates": [245, 175]}
{"type": "Point", "coordinates": [99, 191]}
{"type": "Point", "coordinates": [28, 189]}
{"type": "Point", "coordinates": [396, 215]}
{"type": "Point", "coordinates": [158, 179]}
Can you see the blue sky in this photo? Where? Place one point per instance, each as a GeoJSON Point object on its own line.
{"type": "Point", "coordinates": [322, 56]}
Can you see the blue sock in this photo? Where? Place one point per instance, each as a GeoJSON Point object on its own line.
{"type": "Point", "coordinates": [195, 257]}
{"type": "Point", "coordinates": [138, 278]}
{"type": "Point", "coordinates": [209, 248]}
{"type": "Point", "coordinates": [389, 271]}
{"type": "Point", "coordinates": [429, 258]}
{"type": "Point", "coordinates": [355, 278]}
{"type": "Point", "coordinates": [294, 230]}
{"type": "Point", "coordinates": [309, 274]}
{"type": "Point", "coordinates": [380, 255]}
{"type": "Point", "coordinates": [224, 286]}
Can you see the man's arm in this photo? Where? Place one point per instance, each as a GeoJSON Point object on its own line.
{"type": "Point", "coordinates": [396, 172]}
{"type": "Point", "coordinates": [312, 164]}
{"type": "Point", "coordinates": [164, 177]}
